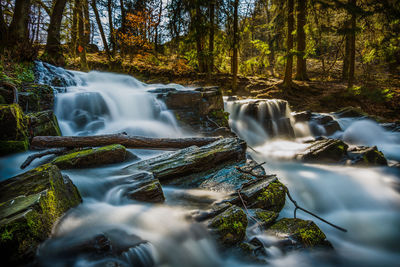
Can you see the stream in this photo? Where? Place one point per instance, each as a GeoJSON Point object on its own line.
{"type": "Point", "coordinates": [365, 201]}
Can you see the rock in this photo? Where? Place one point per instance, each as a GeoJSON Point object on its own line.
{"type": "Point", "coordinates": [369, 156]}
{"type": "Point", "coordinates": [36, 97]}
{"type": "Point", "coordinates": [230, 226]}
{"type": "Point", "coordinates": [325, 150]}
{"type": "Point", "coordinates": [193, 159]}
{"type": "Point", "coordinates": [327, 122]}
{"type": "Point", "coordinates": [146, 188]}
{"type": "Point", "coordinates": [91, 157]}
{"type": "Point", "coordinates": [200, 110]}
{"type": "Point", "coordinates": [267, 194]}
{"type": "Point", "coordinates": [13, 133]}
{"type": "Point", "coordinates": [351, 112]}
{"type": "Point", "coordinates": [303, 116]}
{"type": "Point", "coordinates": [43, 123]}
{"type": "Point", "coordinates": [31, 203]}
{"type": "Point", "coordinates": [298, 233]}
{"type": "Point", "coordinates": [266, 217]}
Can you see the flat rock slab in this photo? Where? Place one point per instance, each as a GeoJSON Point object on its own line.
{"type": "Point", "coordinates": [91, 157]}
{"type": "Point", "coordinates": [31, 203]}
{"type": "Point", "coordinates": [145, 188]}
{"type": "Point", "coordinates": [193, 159]}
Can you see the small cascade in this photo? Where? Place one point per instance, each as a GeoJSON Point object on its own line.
{"type": "Point", "coordinates": [263, 118]}
{"type": "Point", "coordinates": [56, 77]}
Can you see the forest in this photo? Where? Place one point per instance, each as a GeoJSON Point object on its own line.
{"type": "Point", "coordinates": [200, 133]}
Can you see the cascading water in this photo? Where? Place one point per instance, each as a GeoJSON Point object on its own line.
{"type": "Point", "coordinates": [363, 200]}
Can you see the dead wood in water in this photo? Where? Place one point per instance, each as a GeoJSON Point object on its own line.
{"type": "Point", "coordinates": [138, 142]}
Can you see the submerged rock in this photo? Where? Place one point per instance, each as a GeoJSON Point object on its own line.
{"type": "Point", "coordinates": [298, 234]}
{"type": "Point", "coordinates": [325, 150]}
{"type": "Point", "coordinates": [193, 159]}
{"type": "Point", "coordinates": [13, 129]}
{"type": "Point", "coordinates": [31, 203]}
{"type": "Point", "coordinates": [91, 157]}
{"type": "Point", "coordinates": [43, 123]}
{"type": "Point", "coordinates": [369, 156]}
{"type": "Point", "coordinates": [230, 226]}
{"type": "Point", "coordinates": [146, 188]}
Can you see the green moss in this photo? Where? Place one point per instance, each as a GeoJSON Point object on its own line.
{"type": "Point", "coordinates": [266, 217]}
{"type": "Point", "coordinates": [306, 232]}
{"type": "Point", "coordinates": [273, 197]}
{"type": "Point", "coordinates": [9, 147]}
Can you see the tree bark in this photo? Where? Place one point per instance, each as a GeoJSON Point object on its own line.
{"type": "Point", "coordinates": [211, 37]}
{"type": "Point", "coordinates": [199, 36]}
{"type": "Point", "coordinates": [352, 55]}
{"type": "Point", "coordinates": [235, 60]}
{"type": "Point", "coordinates": [110, 24]}
{"type": "Point", "coordinates": [301, 66]}
{"type": "Point", "coordinates": [346, 58]}
{"type": "Point", "coordinates": [3, 28]}
{"type": "Point", "coordinates": [287, 81]}
{"type": "Point", "coordinates": [103, 36]}
{"type": "Point", "coordinates": [53, 51]}
{"type": "Point", "coordinates": [74, 30]}
{"type": "Point", "coordinates": [122, 139]}
{"type": "Point", "coordinates": [81, 36]}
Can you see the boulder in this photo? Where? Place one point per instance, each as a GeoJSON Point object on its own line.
{"type": "Point", "coordinates": [36, 97]}
{"type": "Point", "coordinates": [266, 217]}
{"type": "Point", "coordinates": [366, 156]}
{"type": "Point", "coordinates": [324, 150]}
{"type": "Point", "coordinates": [297, 234]}
{"type": "Point", "coordinates": [351, 112]}
{"type": "Point", "coordinates": [13, 133]}
{"type": "Point", "coordinates": [91, 157]}
{"type": "Point", "coordinates": [230, 226]}
{"type": "Point", "coordinates": [193, 159]}
{"type": "Point", "coordinates": [145, 188]}
{"type": "Point", "coordinates": [31, 203]}
{"type": "Point", "coordinates": [303, 116]}
{"type": "Point", "coordinates": [43, 123]}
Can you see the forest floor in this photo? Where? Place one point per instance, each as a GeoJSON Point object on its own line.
{"type": "Point", "coordinates": [377, 92]}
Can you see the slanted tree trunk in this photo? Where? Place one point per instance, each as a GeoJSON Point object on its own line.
{"type": "Point", "coordinates": [352, 56]}
{"type": "Point", "coordinates": [122, 139]}
{"type": "Point", "coordinates": [301, 66]}
{"type": "Point", "coordinates": [235, 60]}
{"type": "Point", "coordinates": [211, 37]}
{"type": "Point", "coordinates": [18, 42]}
{"type": "Point", "coordinates": [53, 51]}
{"type": "Point", "coordinates": [287, 81]}
{"type": "Point", "coordinates": [103, 36]}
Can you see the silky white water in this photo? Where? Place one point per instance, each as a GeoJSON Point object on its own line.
{"type": "Point", "coordinates": [362, 200]}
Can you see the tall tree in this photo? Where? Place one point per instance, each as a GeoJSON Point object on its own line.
{"type": "Point", "coordinates": [352, 54]}
{"type": "Point", "coordinates": [211, 36]}
{"type": "Point", "coordinates": [74, 28]}
{"type": "Point", "coordinates": [53, 51]}
{"type": "Point", "coordinates": [301, 66]}
{"type": "Point", "coordinates": [100, 26]}
{"type": "Point", "coordinates": [235, 60]}
{"type": "Point", "coordinates": [3, 26]}
{"type": "Point", "coordinates": [287, 81]}
{"type": "Point", "coordinates": [111, 26]}
{"type": "Point", "coordinates": [81, 35]}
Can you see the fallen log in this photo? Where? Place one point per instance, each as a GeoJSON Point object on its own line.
{"type": "Point", "coordinates": [138, 142]}
{"type": "Point", "coordinates": [55, 151]}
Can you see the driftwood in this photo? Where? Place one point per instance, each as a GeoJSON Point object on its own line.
{"type": "Point", "coordinates": [54, 151]}
{"type": "Point", "coordinates": [138, 142]}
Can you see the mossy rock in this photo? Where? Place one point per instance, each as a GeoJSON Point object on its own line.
{"type": "Point", "coordinates": [30, 205]}
{"type": "Point", "coordinates": [230, 226]}
{"type": "Point", "coordinates": [193, 159]}
{"type": "Point", "coordinates": [306, 233]}
{"type": "Point", "coordinates": [367, 156]}
{"type": "Point", "coordinates": [91, 157]}
{"type": "Point", "coordinates": [145, 188]}
{"type": "Point", "coordinates": [13, 123]}
{"type": "Point", "coordinates": [9, 147]}
{"type": "Point", "coordinates": [325, 150]}
{"type": "Point", "coordinates": [43, 123]}
{"type": "Point", "coordinates": [36, 97]}
{"type": "Point", "coordinates": [266, 217]}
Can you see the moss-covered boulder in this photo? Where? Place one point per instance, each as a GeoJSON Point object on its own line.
{"type": "Point", "coordinates": [145, 188]}
{"type": "Point", "coordinates": [266, 217]}
{"type": "Point", "coordinates": [366, 156]}
{"type": "Point", "coordinates": [306, 234]}
{"type": "Point", "coordinates": [13, 129]}
{"type": "Point", "coordinates": [193, 159]}
{"type": "Point", "coordinates": [30, 205]}
{"type": "Point", "coordinates": [324, 150]}
{"type": "Point", "coordinates": [36, 97]}
{"type": "Point", "coordinates": [43, 123]}
{"type": "Point", "coordinates": [91, 157]}
{"type": "Point", "coordinates": [230, 226]}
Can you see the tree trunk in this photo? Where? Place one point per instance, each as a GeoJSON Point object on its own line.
{"type": "Point", "coordinates": [125, 140]}
{"type": "Point", "coordinates": [87, 32]}
{"type": "Point", "coordinates": [346, 58]}
{"type": "Point", "coordinates": [211, 37]}
{"type": "Point", "coordinates": [103, 36]}
{"type": "Point", "coordinates": [81, 37]}
{"type": "Point", "coordinates": [3, 28]}
{"type": "Point", "coordinates": [53, 51]}
{"type": "Point", "coordinates": [287, 81]}
{"type": "Point", "coordinates": [74, 29]}
{"type": "Point", "coordinates": [110, 24]}
{"type": "Point", "coordinates": [18, 34]}
{"type": "Point", "coordinates": [235, 60]}
{"type": "Point", "coordinates": [271, 55]}
{"type": "Point", "coordinates": [301, 66]}
{"type": "Point", "coordinates": [352, 56]}
{"type": "Point", "coordinates": [199, 35]}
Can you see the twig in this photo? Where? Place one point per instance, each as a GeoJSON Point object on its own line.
{"type": "Point", "coordinates": [216, 124]}
{"type": "Point", "coordinates": [255, 151]}
{"type": "Point", "coordinates": [55, 151]}
{"type": "Point", "coordinates": [258, 176]}
{"type": "Point", "coordinates": [309, 212]}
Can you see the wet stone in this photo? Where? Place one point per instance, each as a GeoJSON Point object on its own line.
{"type": "Point", "coordinates": [145, 188]}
